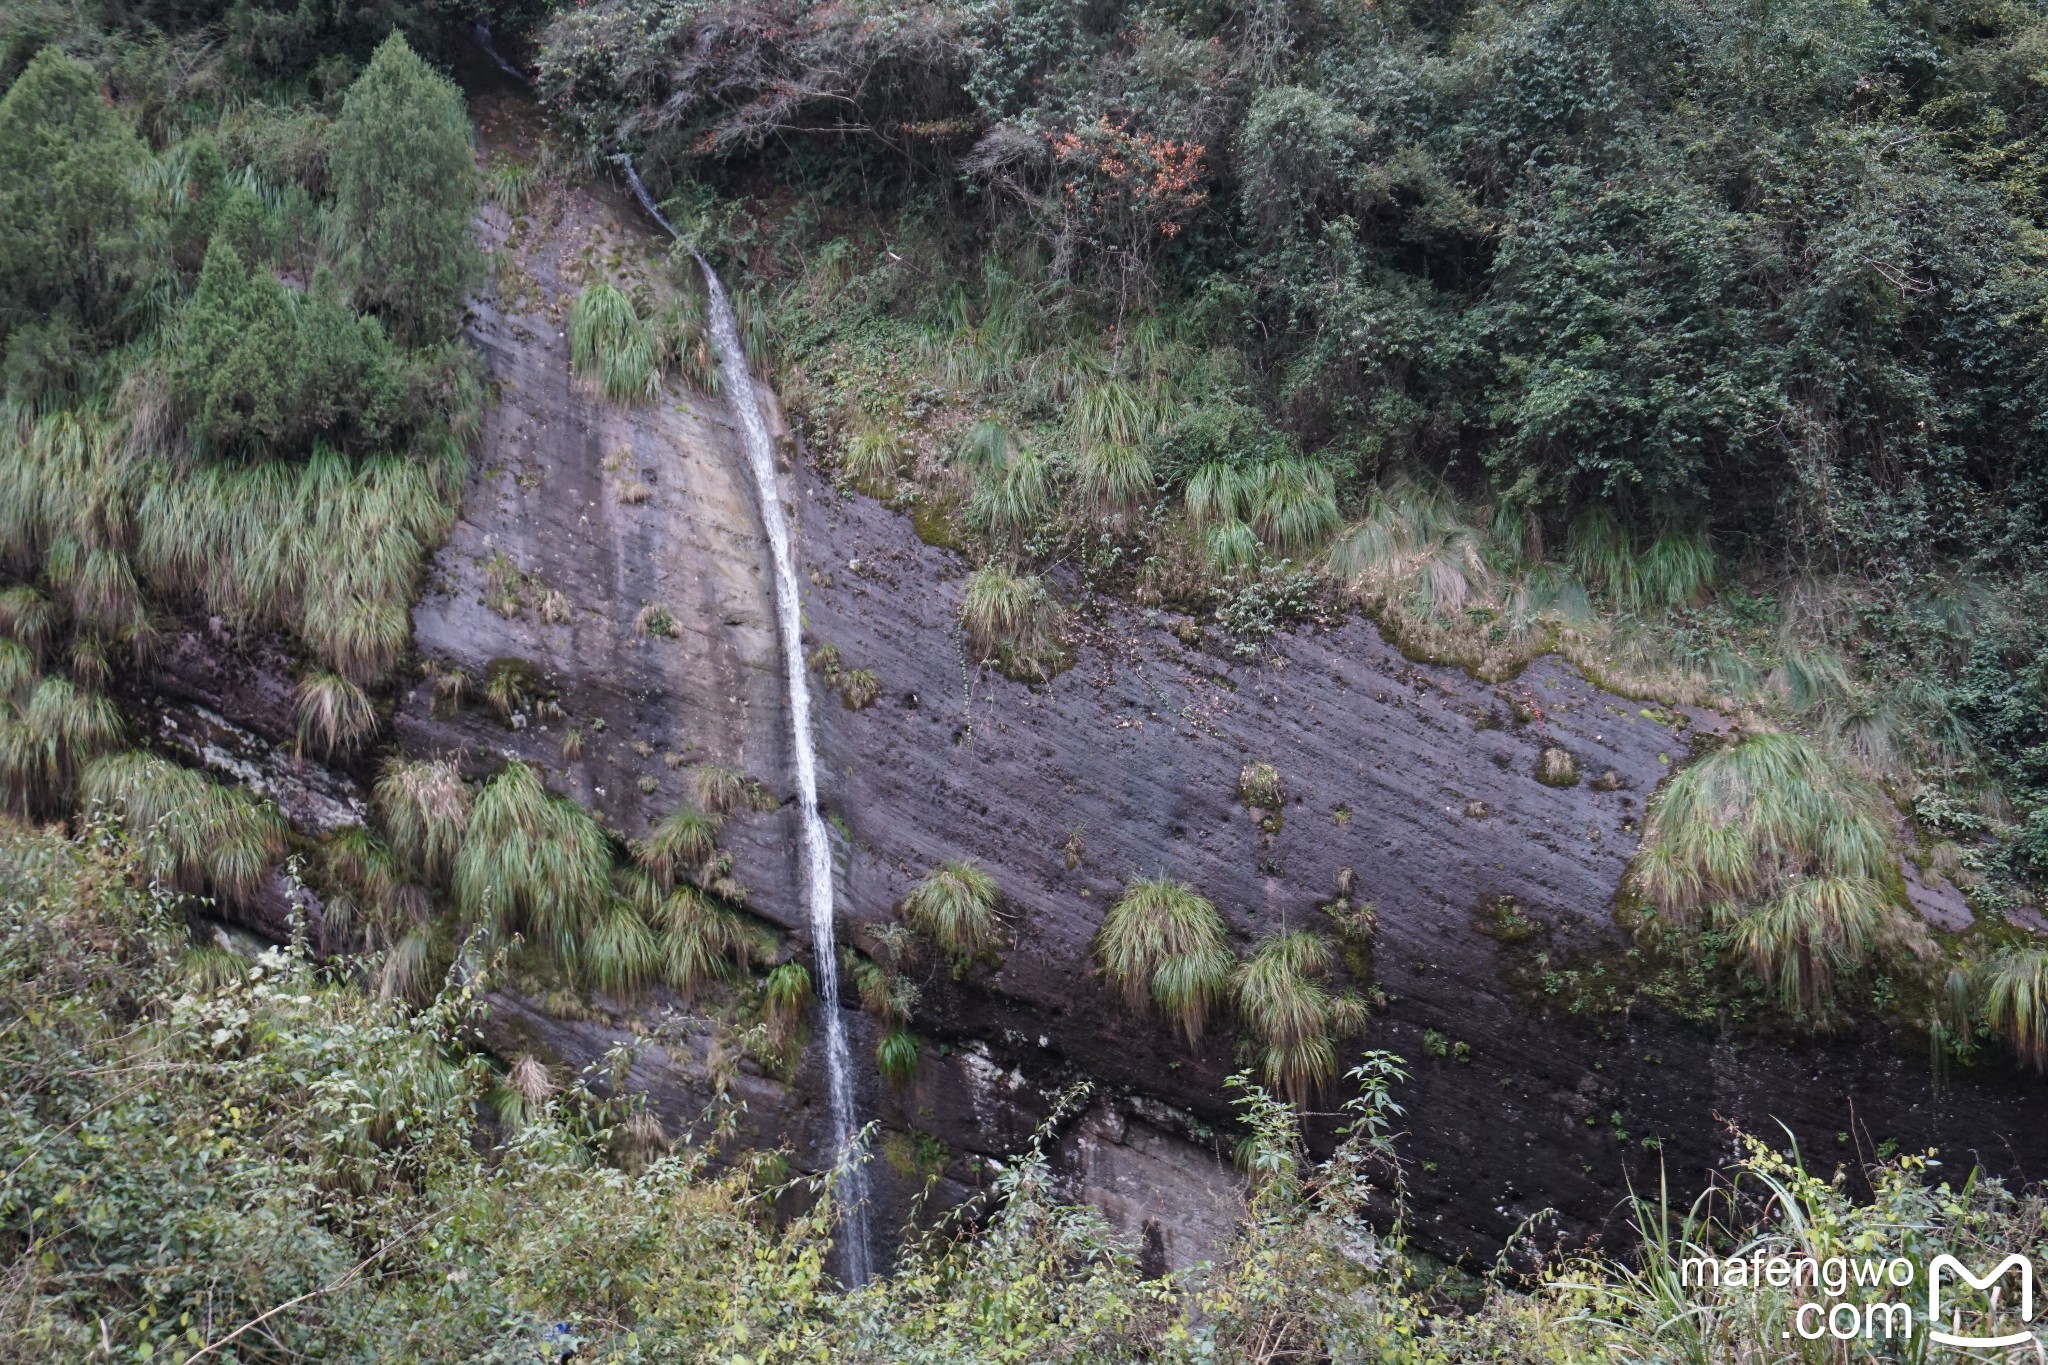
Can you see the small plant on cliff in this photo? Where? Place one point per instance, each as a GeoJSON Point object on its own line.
{"type": "Point", "coordinates": [1556, 767]}
{"type": "Point", "coordinates": [871, 460]}
{"type": "Point", "coordinates": [47, 738]}
{"type": "Point", "coordinates": [1012, 619]}
{"type": "Point", "coordinates": [1283, 1001]}
{"type": "Point", "coordinates": [425, 808]}
{"type": "Point", "coordinates": [955, 907]}
{"type": "Point", "coordinates": [1007, 503]}
{"type": "Point", "coordinates": [610, 346]}
{"type": "Point", "coordinates": [679, 845]}
{"type": "Point", "coordinates": [1768, 841]}
{"type": "Point", "coordinates": [191, 832]}
{"type": "Point", "coordinates": [334, 713]}
{"type": "Point", "coordinates": [703, 941]}
{"type": "Point", "coordinates": [533, 862]}
{"type": "Point", "coordinates": [2014, 985]}
{"type": "Point", "coordinates": [620, 954]}
{"type": "Point", "coordinates": [1163, 944]}
{"type": "Point", "coordinates": [896, 1057]}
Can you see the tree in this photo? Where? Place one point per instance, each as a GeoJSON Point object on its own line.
{"type": "Point", "coordinates": [266, 370]}
{"type": "Point", "coordinates": [67, 207]}
{"type": "Point", "coordinates": [406, 185]}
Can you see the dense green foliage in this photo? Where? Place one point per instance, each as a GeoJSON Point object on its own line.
{"type": "Point", "coordinates": [405, 185]}
{"type": "Point", "coordinates": [259, 1161]}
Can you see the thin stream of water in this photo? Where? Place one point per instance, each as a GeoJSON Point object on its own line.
{"type": "Point", "coordinates": [739, 383]}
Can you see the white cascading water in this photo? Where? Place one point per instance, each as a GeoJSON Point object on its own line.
{"type": "Point", "coordinates": [746, 405]}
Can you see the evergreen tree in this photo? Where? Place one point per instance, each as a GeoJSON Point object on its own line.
{"type": "Point", "coordinates": [67, 206]}
{"type": "Point", "coordinates": [406, 185]}
{"type": "Point", "coordinates": [266, 371]}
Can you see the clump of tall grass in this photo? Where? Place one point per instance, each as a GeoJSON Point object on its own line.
{"type": "Point", "coordinates": [1414, 547]}
{"type": "Point", "coordinates": [872, 459]}
{"type": "Point", "coordinates": [680, 845]}
{"type": "Point", "coordinates": [988, 448]}
{"type": "Point", "coordinates": [955, 907]}
{"type": "Point", "coordinates": [425, 806]}
{"type": "Point", "coordinates": [620, 954]}
{"type": "Point", "coordinates": [702, 941]}
{"type": "Point", "coordinates": [28, 618]}
{"type": "Point", "coordinates": [49, 731]}
{"type": "Point", "coordinates": [330, 545]}
{"type": "Point", "coordinates": [1770, 841]}
{"type": "Point", "coordinates": [1673, 570]}
{"type": "Point", "coordinates": [1007, 503]}
{"type": "Point", "coordinates": [1281, 996]}
{"type": "Point", "coordinates": [722, 791]}
{"type": "Point", "coordinates": [1113, 479]}
{"type": "Point", "coordinates": [1012, 619]}
{"type": "Point", "coordinates": [195, 834]}
{"type": "Point", "coordinates": [2014, 986]}
{"type": "Point", "coordinates": [610, 346]}
{"type": "Point", "coordinates": [896, 1057]}
{"type": "Point", "coordinates": [1162, 945]}
{"type": "Point", "coordinates": [334, 714]}
{"type": "Point", "coordinates": [533, 862]}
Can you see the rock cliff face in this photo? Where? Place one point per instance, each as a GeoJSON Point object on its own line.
{"type": "Point", "coordinates": [1418, 779]}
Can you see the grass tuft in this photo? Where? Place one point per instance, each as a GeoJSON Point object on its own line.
{"type": "Point", "coordinates": [1163, 944]}
{"type": "Point", "coordinates": [955, 907]}
{"type": "Point", "coordinates": [1769, 841]}
{"type": "Point", "coordinates": [1012, 619]}
{"type": "Point", "coordinates": [1281, 997]}
{"type": "Point", "coordinates": [609, 345]}
{"type": "Point", "coordinates": [896, 1057]}
{"type": "Point", "coordinates": [334, 714]}
{"type": "Point", "coordinates": [702, 941]}
{"type": "Point", "coordinates": [533, 862]}
{"type": "Point", "coordinates": [426, 811]}
{"type": "Point", "coordinates": [2014, 986]}
{"type": "Point", "coordinates": [679, 846]}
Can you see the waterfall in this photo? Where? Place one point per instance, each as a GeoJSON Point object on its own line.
{"type": "Point", "coordinates": [481, 31]}
{"type": "Point", "coordinates": [746, 405]}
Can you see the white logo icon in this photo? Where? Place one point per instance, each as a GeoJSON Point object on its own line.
{"type": "Point", "coordinates": [1950, 1263]}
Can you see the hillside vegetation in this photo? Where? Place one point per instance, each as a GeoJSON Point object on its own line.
{"type": "Point", "coordinates": [207, 1157]}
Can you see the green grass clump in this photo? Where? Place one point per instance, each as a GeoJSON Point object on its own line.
{"type": "Point", "coordinates": [330, 545]}
{"type": "Point", "coordinates": [620, 954]}
{"type": "Point", "coordinates": [896, 1057]}
{"type": "Point", "coordinates": [871, 460]}
{"type": "Point", "coordinates": [1282, 998]}
{"type": "Point", "coordinates": [1008, 503]}
{"type": "Point", "coordinates": [787, 991]}
{"type": "Point", "coordinates": [29, 618]}
{"type": "Point", "coordinates": [49, 732]}
{"type": "Point", "coordinates": [1415, 546]}
{"type": "Point", "coordinates": [1770, 841]}
{"type": "Point", "coordinates": [702, 941]}
{"type": "Point", "coordinates": [1163, 945]}
{"type": "Point", "coordinates": [425, 807]}
{"type": "Point", "coordinates": [955, 907]}
{"type": "Point", "coordinates": [1112, 479]}
{"type": "Point", "coordinates": [680, 845]}
{"type": "Point", "coordinates": [2014, 987]}
{"type": "Point", "coordinates": [610, 346]}
{"type": "Point", "coordinates": [334, 714]}
{"type": "Point", "coordinates": [1012, 619]}
{"type": "Point", "coordinates": [194, 835]}
{"type": "Point", "coordinates": [1674, 570]}
{"type": "Point", "coordinates": [533, 862]}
